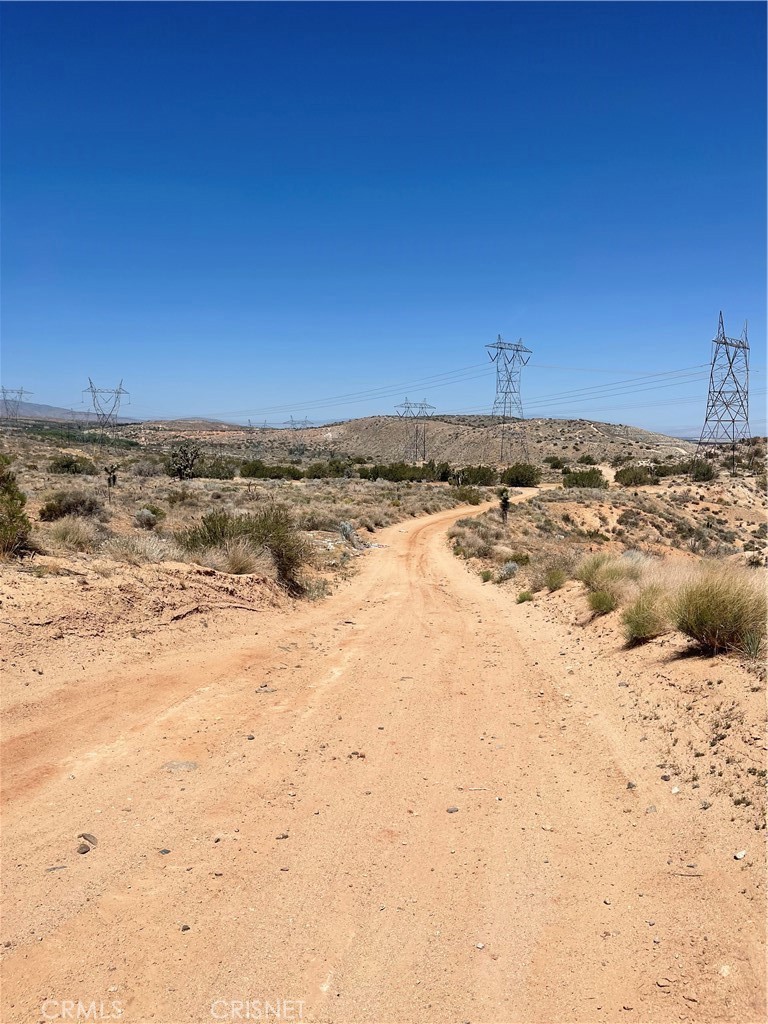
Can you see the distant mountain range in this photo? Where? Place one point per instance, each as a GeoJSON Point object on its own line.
{"type": "Point", "coordinates": [36, 411]}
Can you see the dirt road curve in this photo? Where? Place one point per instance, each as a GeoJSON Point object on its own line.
{"type": "Point", "coordinates": [273, 824]}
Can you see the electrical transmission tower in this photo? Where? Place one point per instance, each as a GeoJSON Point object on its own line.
{"type": "Point", "coordinates": [12, 399]}
{"type": "Point", "coordinates": [408, 411]}
{"type": "Point", "coordinates": [727, 419]}
{"type": "Point", "coordinates": [415, 443]}
{"type": "Point", "coordinates": [510, 358]}
{"type": "Point", "coordinates": [106, 405]}
{"type": "Point", "coordinates": [425, 410]}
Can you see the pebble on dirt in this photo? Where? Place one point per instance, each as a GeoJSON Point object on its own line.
{"type": "Point", "coordinates": [83, 848]}
{"type": "Point", "coordinates": [452, 810]}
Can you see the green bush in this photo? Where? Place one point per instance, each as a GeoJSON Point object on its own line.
{"type": "Point", "coordinates": [723, 610]}
{"type": "Point", "coordinates": [255, 469]}
{"type": "Point", "coordinates": [585, 478]}
{"type": "Point", "coordinates": [71, 503]}
{"type": "Point", "coordinates": [486, 575]}
{"type": "Point", "coordinates": [554, 461]}
{"type": "Point", "coordinates": [468, 495]}
{"type": "Point", "coordinates": [272, 528]}
{"type": "Point", "coordinates": [521, 474]}
{"type": "Point", "coordinates": [601, 602]}
{"type": "Point", "coordinates": [588, 570]}
{"type": "Point", "coordinates": [523, 596]}
{"type": "Point", "coordinates": [700, 471]}
{"type": "Point", "coordinates": [586, 460]}
{"type": "Point", "coordinates": [15, 526]}
{"type": "Point", "coordinates": [215, 468]}
{"type": "Point", "coordinates": [647, 616]}
{"type": "Point", "coordinates": [74, 464]}
{"type": "Point", "coordinates": [635, 476]}
{"type": "Point", "coordinates": [555, 577]}
{"type": "Point", "coordinates": [479, 476]}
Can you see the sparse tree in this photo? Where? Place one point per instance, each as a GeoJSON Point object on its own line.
{"type": "Point", "coordinates": [182, 458]}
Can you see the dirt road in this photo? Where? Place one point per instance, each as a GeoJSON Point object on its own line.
{"type": "Point", "coordinates": [385, 807]}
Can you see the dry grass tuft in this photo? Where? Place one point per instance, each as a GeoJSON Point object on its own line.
{"type": "Point", "coordinates": [723, 610]}
{"type": "Point", "coordinates": [138, 549]}
{"type": "Point", "coordinates": [72, 533]}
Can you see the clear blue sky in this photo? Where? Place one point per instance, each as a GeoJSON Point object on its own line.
{"type": "Point", "coordinates": [243, 208]}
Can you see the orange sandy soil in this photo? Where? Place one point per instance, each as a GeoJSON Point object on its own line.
{"type": "Point", "coordinates": [297, 763]}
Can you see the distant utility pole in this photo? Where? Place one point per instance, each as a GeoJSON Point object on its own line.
{"type": "Point", "coordinates": [106, 405]}
{"type": "Point", "coordinates": [12, 399]}
{"type": "Point", "coordinates": [510, 359]}
{"type": "Point", "coordinates": [726, 422]}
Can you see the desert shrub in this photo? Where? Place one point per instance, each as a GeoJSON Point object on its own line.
{"type": "Point", "coordinates": [586, 460]}
{"type": "Point", "coordinates": [146, 468]}
{"type": "Point", "coordinates": [74, 464]}
{"type": "Point", "coordinates": [555, 577]}
{"type": "Point", "coordinates": [585, 478]}
{"type": "Point", "coordinates": [182, 496]}
{"type": "Point", "coordinates": [635, 476]}
{"type": "Point", "coordinates": [15, 526]}
{"type": "Point", "coordinates": [523, 596]}
{"type": "Point", "coordinates": [320, 519]}
{"type": "Point", "coordinates": [215, 468]}
{"type": "Point", "coordinates": [486, 575]}
{"type": "Point", "coordinates": [602, 601]}
{"type": "Point", "coordinates": [71, 503]}
{"type": "Point", "coordinates": [145, 519]}
{"type": "Point", "coordinates": [588, 569]}
{"type": "Point", "coordinates": [700, 471]}
{"type": "Point", "coordinates": [724, 609]}
{"type": "Point", "coordinates": [522, 474]}
{"type": "Point", "coordinates": [330, 470]}
{"type": "Point", "coordinates": [477, 476]}
{"type": "Point", "coordinates": [467, 495]}
{"type": "Point", "coordinates": [136, 549]}
{"type": "Point", "coordinates": [647, 616]}
{"type": "Point", "coordinates": [255, 469]}
{"type": "Point", "coordinates": [507, 571]}
{"type": "Point", "coordinates": [607, 574]}
{"type": "Point", "coordinates": [239, 557]}
{"type": "Point", "coordinates": [272, 528]}
{"type": "Point", "coordinates": [554, 461]}
{"type": "Point", "coordinates": [74, 533]}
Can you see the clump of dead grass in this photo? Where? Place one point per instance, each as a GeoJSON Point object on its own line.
{"type": "Point", "coordinates": [723, 610]}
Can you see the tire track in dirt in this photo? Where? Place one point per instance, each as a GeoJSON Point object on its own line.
{"type": "Point", "coordinates": [401, 696]}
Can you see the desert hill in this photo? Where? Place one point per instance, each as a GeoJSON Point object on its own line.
{"type": "Point", "coordinates": [460, 440]}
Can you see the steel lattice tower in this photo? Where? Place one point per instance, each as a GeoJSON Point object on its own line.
{"type": "Point", "coordinates": [106, 405]}
{"type": "Point", "coordinates": [510, 358]}
{"type": "Point", "coordinates": [12, 400]}
{"type": "Point", "coordinates": [727, 419]}
{"type": "Point", "coordinates": [409, 412]}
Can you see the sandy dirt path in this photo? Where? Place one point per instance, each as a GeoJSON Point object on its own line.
{"type": "Point", "coordinates": [273, 825]}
